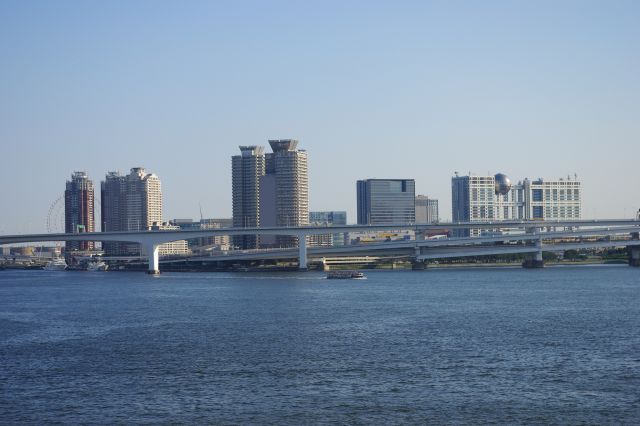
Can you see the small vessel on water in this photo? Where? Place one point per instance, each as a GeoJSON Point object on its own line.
{"type": "Point", "coordinates": [57, 264]}
{"type": "Point", "coordinates": [345, 275]}
{"type": "Point", "coordinates": [97, 266]}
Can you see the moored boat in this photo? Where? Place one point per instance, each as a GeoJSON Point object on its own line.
{"type": "Point", "coordinates": [97, 266]}
{"type": "Point", "coordinates": [57, 264]}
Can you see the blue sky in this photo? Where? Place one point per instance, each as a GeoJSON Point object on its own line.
{"type": "Point", "coordinates": [371, 89]}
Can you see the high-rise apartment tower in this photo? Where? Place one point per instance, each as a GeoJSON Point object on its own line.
{"type": "Point", "coordinates": [113, 210]}
{"type": "Point", "coordinates": [78, 209]}
{"type": "Point", "coordinates": [130, 203]}
{"type": "Point", "coordinates": [270, 190]}
{"type": "Point", "coordinates": [289, 168]}
{"type": "Point", "coordinates": [246, 171]}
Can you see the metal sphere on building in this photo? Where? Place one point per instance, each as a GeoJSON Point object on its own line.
{"type": "Point", "coordinates": [503, 184]}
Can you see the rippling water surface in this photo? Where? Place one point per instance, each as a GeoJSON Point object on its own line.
{"type": "Point", "coordinates": [556, 345]}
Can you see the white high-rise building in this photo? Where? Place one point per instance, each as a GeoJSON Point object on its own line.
{"type": "Point", "coordinates": [143, 199]}
{"type": "Point", "coordinates": [553, 199]}
{"type": "Point", "coordinates": [494, 198]}
{"type": "Point", "coordinates": [130, 203]}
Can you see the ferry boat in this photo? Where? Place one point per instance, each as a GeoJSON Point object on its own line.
{"type": "Point", "coordinates": [57, 264]}
{"type": "Point", "coordinates": [345, 275]}
{"type": "Point", "coordinates": [97, 266]}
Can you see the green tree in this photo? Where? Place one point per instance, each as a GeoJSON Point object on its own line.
{"type": "Point", "coordinates": [571, 254]}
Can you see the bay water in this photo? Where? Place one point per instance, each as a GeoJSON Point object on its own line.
{"type": "Point", "coordinates": [458, 346]}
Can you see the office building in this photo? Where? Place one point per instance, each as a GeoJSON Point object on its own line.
{"type": "Point", "coordinates": [426, 210]}
{"type": "Point", "coordinates": [78, 210]}
{"type": "Point", "coordinates": [495, 198]}
{"type": "Point", "coordinates": [559, 199]}
{"type": "Point", "coordinates": [386, 201]}
{"type": "Point", "coordinates": [246, 170]}
{"type": "Point", "coordinates": [328, 218]}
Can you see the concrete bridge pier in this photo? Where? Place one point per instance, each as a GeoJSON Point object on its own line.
{"type": "Point", "coordinates": [534, 260]}
{"type": "Point", "coordinates": [418, 265]}
{"type": "Point", "coordinates": [302, 252]}
{"type": "Point", "coordinates": [154, 264]}
{"type": "Point", "coordinates": [325, 267]}
{"type": "Point", "coordinates": [634, 255]}
{"type": "Point", "coordinates": [634, 251]}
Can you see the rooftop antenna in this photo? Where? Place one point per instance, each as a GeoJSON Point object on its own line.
{"type": "Point", "coordinates": [200, 205]}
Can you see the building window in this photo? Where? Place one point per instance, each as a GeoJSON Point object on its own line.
{"type": "Point", "coordinates": [537, 212]}
{"type": "Point", "coordinates": [536, 194]}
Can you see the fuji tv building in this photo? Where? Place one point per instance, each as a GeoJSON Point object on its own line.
{"type": "Point", "coordinates": [496, 198]}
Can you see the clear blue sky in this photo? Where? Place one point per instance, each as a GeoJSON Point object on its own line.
{"type": "Point", "coordinates": [371, 89]}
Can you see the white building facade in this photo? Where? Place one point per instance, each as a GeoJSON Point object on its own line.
{"type": "Point", "coordinates": [489, 198]}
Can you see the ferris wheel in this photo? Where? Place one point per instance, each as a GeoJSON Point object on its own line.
{"type": "Point", "coordinates": [55, 217]}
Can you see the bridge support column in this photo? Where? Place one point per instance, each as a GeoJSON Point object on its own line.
{"type": "Point", "coordinates": [154, 264]}
{"type": "Point", "coordinates": [302, 252]}
{"type": "Point", "coordinates": [418, 265]}
{"type": "Point", "coordinates": [325, 267]}
{"type": "Point", "coordinates": [634, 255]}
{"type": "Point", "coordinates": [534, 261]}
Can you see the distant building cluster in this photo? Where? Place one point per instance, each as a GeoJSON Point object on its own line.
{"type": "Point", "coordinates": [128, 203]}
{"type": "Point", "coordinates": [218, 243]}
{"type": "Point", "coordinates": [272, 190]}
{"type": "Point", "coordinates": [328, 218]}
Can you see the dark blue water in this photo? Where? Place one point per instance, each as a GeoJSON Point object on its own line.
{"type": "Point", "coordinates": [557, 345]}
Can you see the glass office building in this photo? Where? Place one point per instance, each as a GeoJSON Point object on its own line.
{"type": "Point", "coordinates": [386, 201]}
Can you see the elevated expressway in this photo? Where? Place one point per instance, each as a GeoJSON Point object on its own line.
{"type": "Point", "coordinates": [422, 250]}
{"type": "Point", "coordinates": [529, 237]}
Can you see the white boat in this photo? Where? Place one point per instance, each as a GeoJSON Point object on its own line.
{"type": "Point", "coordinates": [345, 275]}
{"type": "Point", "coordinates": [97, 266]}
{"type": "Point", "coordinates": [57, 264]}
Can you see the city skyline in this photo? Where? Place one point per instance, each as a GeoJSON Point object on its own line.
{"type": "Point", "coordinates": [166, 217]}
{"type": "Point", "coordinates": [420, 91]}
